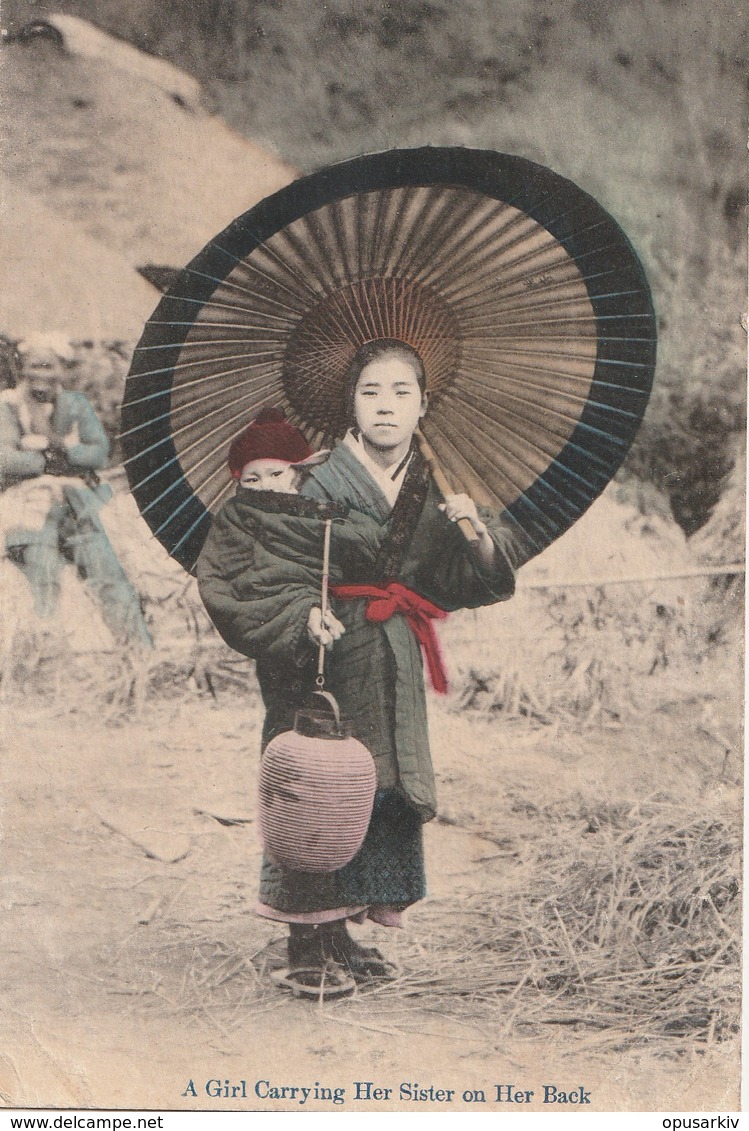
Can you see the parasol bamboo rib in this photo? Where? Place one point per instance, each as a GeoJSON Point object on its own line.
{"type": "Point", "coordinates": [243, 266]}
{"type": "Point", "coordinates": [173, 412]}
{"type": "Point", "coordinates": [291, 242]}
{"type": "Point", "coordinates": [493, 246]}
{"type": "Point", "coordinates": [213, 499]}
{"type": "Point", "coordinates": [195, 344]}
{"type": "Point", "coordinates": [525, 458]}
{"type": "Point", "coordinates": [238, 418]}
{"type": "Point", "coordinates": [554, 422]}
{"type": "Point", "coordinates": [553, 324]}
{"type": "Point", "coordinates": [531, 440]}
{"type": "Point", "coordinates": [546, 352]}
{"type": "Point", "coordinates": [471, 319]}
{"type": "Point", "coordinates": [509, 290]}
{"type": "Point", "coordinates": [470, 221]}
{"type": "Point", "coordinates": [394, 232]}
{"type": "Point", "coordinates": [318, 240]}
{"type": "Point", "coordinates": [518, 484]}
{"type": "Point", "coordinates": [201, 520]}
{"type": "Point", "coordinates": [248, 278]}
{"type": "Point", "coordinates": [577, 372]}
{"type": "Point", "coordinates": [214, 305]}
{"type": "Point", "coordinates": [296, 283]}
{"type": "Point", "coordinates": [450, 281]}
{"type": "Point", "coordinates": [417, 219]}
{"type": "Point", "coordinates": [195, 383]}
{"type": "Point", "coordinates": [450, 457]}
{"type": "Point", "coordinates": [192, 362]}
{"type": "Point", "coordinates": [233, 283]}
{"type": "Point", "coordinates": [577, 400]}
{"type": "Point", "coordinates": [343, 240]}
{"type": "Point", "coordinates": [493, 286]}
{"type": "Point", "coordinates": [446, 232]}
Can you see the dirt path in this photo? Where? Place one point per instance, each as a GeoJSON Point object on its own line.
{"type": "Point", "coordinates": [133, 963]}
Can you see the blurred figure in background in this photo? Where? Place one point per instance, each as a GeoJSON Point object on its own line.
{"type": "Point", "coordinates": [52, 445]}
{"type": "Point", "coordinates": [9, 363]}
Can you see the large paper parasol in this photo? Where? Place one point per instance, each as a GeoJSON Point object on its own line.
{"type": "Point", "coordinates": [524, 298]}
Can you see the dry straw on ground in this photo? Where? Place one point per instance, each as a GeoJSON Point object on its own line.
{"type": "Point", "coordinates": [625, 930]}
{"type": "Point", "coordinates": [627, 927]}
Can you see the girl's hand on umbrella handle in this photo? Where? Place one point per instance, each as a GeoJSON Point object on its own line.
{"type": "Point", "coordinates": [327, 633]}
{"type": "Point", "coordinates": [456, 507]}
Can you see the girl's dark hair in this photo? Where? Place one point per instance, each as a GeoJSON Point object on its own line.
{"type": "Point", "coordinates": [371, 351]}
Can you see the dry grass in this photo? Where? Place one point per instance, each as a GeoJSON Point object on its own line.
{"type": "Point", "coordinates": [594, 656]}
{"type": "Point", "coordinates": [39, 659]}
{"type": "Point", "coordinates": [629, 931]}
{"type": "Point", "coordinates": [199, 981]}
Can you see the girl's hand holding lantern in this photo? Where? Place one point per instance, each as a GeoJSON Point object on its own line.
{"type": "Point", "coordinates": [327, 633]}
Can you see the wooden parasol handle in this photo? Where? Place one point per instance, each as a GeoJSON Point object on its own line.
{"type": "Point", "coordinates": [443, 486]}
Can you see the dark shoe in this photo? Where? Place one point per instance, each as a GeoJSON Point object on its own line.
{"type": "Point", "coordinates": [305, 948]}
{"type": "Point", "coordinates": [365, 963]}
{"type": "Point", "coordinates": [312, 973]}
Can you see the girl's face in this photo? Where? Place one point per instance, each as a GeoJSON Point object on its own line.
{"type": "Point", "coordinates": [269, 475]}
{"type": "Point", "coordinates": [388, 402]}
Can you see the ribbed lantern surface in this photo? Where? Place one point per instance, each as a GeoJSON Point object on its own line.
{"type": "Point", "coordinates": [316, 798]}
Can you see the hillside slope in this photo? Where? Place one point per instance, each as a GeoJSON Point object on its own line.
{"type": "Point", "coordinates": [115, 151]}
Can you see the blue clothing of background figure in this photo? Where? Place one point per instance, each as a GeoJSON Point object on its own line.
{"type": "Point", "coordinates": [51, 446]}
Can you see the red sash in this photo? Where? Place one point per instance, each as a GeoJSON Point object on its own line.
{"type": "Point", "coordinates": [385, 601]}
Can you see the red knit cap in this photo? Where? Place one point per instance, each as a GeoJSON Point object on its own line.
{"type": "Point", "coordinates": [269, 436]}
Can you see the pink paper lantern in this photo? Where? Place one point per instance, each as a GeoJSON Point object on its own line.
{"type": "Point", "coordinates": [317, 788]}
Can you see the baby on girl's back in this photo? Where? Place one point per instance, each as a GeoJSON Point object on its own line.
{"type": "Point", "coordinates": [276, 537]}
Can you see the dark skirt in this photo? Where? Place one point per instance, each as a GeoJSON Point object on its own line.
{"type": "Point", "coordinates": [388, 868]}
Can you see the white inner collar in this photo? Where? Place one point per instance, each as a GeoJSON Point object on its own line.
{"type": "Point", "coordinates": [388, 479]}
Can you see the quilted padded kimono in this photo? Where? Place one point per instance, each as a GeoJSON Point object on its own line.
{"type": "Point", "coordinates": [259, 575]}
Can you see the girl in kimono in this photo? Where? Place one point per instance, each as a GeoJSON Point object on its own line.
{"type": "Point", "coordinates": [416, 567]}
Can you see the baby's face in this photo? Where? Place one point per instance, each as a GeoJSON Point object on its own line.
{"type": "Point", "coordinates": [269, 475]}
